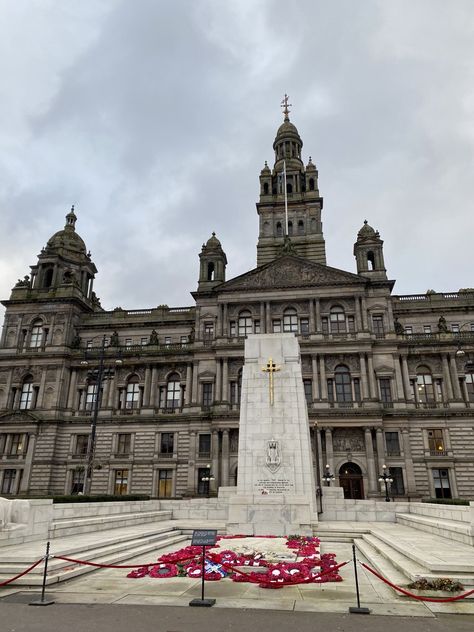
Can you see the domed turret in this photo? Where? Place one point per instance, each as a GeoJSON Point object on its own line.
{"type": "Point", "coordinates": [213, 261]}
{"type": "Point", "coordinates": [368, 251]}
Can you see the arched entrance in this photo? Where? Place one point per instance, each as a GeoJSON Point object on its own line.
{"type": "Point", "coordinates": [350, 479]}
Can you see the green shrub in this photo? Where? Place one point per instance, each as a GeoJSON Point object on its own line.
{"type": "Point", "coordinates": [446, 501]}
{"type": "Point", "coordinates": [102, 498]}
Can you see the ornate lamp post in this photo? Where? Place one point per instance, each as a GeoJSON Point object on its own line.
{"type": "Point", "coordinates": [327, 476]}
{"type": "Point", "coordinates": [207, 479]}
{"type": "Point", "coordinates": [97, 375]}
{"type": "Point", "coordinates": [387, 480]}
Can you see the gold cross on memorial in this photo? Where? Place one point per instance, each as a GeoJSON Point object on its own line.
{"type": "Point", "coordinates": [270, 369]}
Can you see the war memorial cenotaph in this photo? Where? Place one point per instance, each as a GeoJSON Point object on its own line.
{"type": "Point", "coordinates": [275, 492]}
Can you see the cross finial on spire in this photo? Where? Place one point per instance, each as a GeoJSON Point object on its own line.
{"type": "Point", "coordinates": [284, 105]}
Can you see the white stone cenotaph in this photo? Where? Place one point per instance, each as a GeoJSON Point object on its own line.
{"type": "Point", "coordinates": [275, 480]}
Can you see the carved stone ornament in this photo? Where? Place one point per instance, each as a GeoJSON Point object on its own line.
{"type": "Point", "coordinates": [234, 366]}
{"type": "Point", "coordinates": [273, 457]}
{"type": "Point", "coordinates": [351, 361]}
{"type": "Point", "coordinates": [433, 362]}
{"type": "Point", "coordinates": [348, 440]}
{"type": "Point", "coordinates": [291, 271]}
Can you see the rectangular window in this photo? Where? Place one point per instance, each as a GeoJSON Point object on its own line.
{"type": "Point", "coordinates": [143, 341]}
{"type": "Point", "coordinates": [208, 331]}
{"type": "Point", "coordinates": [77, 481]}
{"type": "Point", "coordinates": [290, 321]}
{"type": "Point", "coordinates": [204, 446]}
{"type": "Point", "coordinates": [234, 393]}
{"type": "Point", "coordinates": [36, 336]}
{"type": "Point", "coordinates": [377, 324]}
{"type": "Point", "coordinates": [124, 443]}
{"type": "Point", "coordinates": [128, 342]}
{"type": "Point", "coordinates": [330, 383]}
{"type": "Point", "coordinates": [276, 326]}
{"type": "Point", "coordinates": [455, 328]}
{"type": "Point", "coordinates": [81, 445]}
{"type": "Point", "coordinates": [308, 390]}
{"type": "Point", "coordinates": [397, 487]}
{"type": "Point", "coordinates": [167, 443]}
{"type": "Point", "coordinates": [3, 442]}
{"type": "Point", "coordinates": [121, 482]}
{"type": "Point", "coordinates": [167, 340]}
{"type": "Point", "coordinates": [427, 329]}
{"type": "Point", "coordinates": [357, 390]}
{"type": "Point", "coordinates": [8, 482]}
{"type": "Point", "coordinates": [392, 443]}
{"type": "Point", "coordinates": [470, 386]}
{"type": "Point", "coordinates": [89, 344]}
{"type": "Point", "coordinates": [350, 324]}
{"type": "Point", "coordinates": [304, 326]}
{"type": "Point", "coordinates": [207, 394]}
{"type": "Point", "coordinates": [203, 481]}
{"type": "Point", "coordinates": [16, 445]}
{"type": "Point", "coordinates": [385, 390]}
{"type": "Point", "coordinates": [256, 326]}
{"type": "Point", "coordinates": [436, 442]}
{"type": "Point", "coordinates": [233, 329]}
{"type": "Point", "coordinates": [165, 483]}
{"type": "Point", "coordinates": [325, 324]}
{"type": "Point", "coordinates": [91, 395]}
{"type": "Point", "coordinates": [26, 396]}
{"type": "Point", "coordinates": [441, 484]}
{"type": "Point", "coordinates": [184, 340]}
{"type": "Point", "coordinates": [408, 329]}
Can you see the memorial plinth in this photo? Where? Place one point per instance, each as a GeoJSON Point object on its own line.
{"type": "Point", "coordinates": [275, 483]}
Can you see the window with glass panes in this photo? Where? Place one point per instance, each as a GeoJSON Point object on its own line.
{"type": "Point", "coordinates": [204, 445]}
{"type": "Point", "coordinates": [441, 484]}
{"type": "Point", "coordinates": [81, 444]}
{"type": "Point", "coordinates": [337, 319]}
{"type": "Point", "coordinates": [276, 326]}
{"type": "Point", "coordinates": [124, 443]}
{"type": "Point", "coordinates": [424, 384]}
{"type": "Point", "coordinates": [26, 395]}
{"type": "Point", "coordinates": [304, 326]}
{"type": "Point", "coordinates": [256, 326]}
{"type": "Point", "coordinates": [436, 443]}
{"type": "Point", "coordinates": [385, 390]}
{"type": "Point", "coordinates": [342, 379]}
{"type": "Point", "coordinates": [16, 444]}
{"type": "Point", "coordinates": [330, 385]}
{"type": "Point", "coordinates": [203, 485]}
{"type": "Point", "coordinates": [245, 324]}
{"type": "Point", "coordinates": [121, 482]}
{"type": "Point", "coordinates": [77, 481]}
{"type": "Point", "coordinates": [392, 443]}
{"type": "Point", "coordinates": [377, 324]}
{"type": "Point", "coordinates": [470, 385]}
{"type": "Point", "coordinates": [308, 390]}
{"type": "Point", "coordinates": [132, 396]}
{"type": "Point", "coordinates": [3, 443]}
{"type": "Point", "coordinates": [165, 483]}
{"type": "Point", "coordinates": [173, 391]}
{"type": "Point", "coordinates": [91, 394]}
{"type": "Point", "coordinates": [36, 335]}
{"type": "Point", "coordinates": [290, 320]}
{"type": "Point", "coordinates": [207, 394]}
{"type": "Point", "coordinates": [397, 487]}
{"type": "Point", "coordinates": [8, 481]}
{"type": "Point", "coordinates": [166, 443]}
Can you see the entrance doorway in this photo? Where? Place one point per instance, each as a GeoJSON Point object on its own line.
{"type": "Point", "coordinates": [351, 481]}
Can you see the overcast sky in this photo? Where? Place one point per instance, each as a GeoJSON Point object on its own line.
{"type": "Point", "coordinates": [154, 117]}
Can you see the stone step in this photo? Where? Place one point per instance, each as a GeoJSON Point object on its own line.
{"type": "Point", "coordinates": [72, 526]}
{"type": "Point", "coordinates": [450, 529]}
{"type": "Point", "coordinates": [380, 563]}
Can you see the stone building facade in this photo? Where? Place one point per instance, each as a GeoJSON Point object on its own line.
{"type": "Point", "coordinates": [389, 380]}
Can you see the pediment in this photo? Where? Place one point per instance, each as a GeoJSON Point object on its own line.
{"type": "Point", "coordinates": [291, 271]}
{"type": "Point", "coordinates": [18, 416]}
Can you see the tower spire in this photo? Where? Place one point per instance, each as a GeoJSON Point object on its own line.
{"type": "Point", "coordinates": [284, 104]}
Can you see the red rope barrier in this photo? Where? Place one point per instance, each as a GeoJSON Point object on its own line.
{"type": "Point", "coordinates": [418, 597]}
{"type": "Point", "coordinates": [74, 561]}
{"type": "Point", "coordinates": [30, 568]}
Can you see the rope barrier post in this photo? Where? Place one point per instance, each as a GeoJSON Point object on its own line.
{"type": "Point", "coordinates": [43, 601]}
{"type": "Point", "coordinates": [203, 537]}
{"type": "Point", "coordinates": [358, 609]}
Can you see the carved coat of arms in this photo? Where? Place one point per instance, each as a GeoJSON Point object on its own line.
{"type": "Point", "coordinates": [273, 458]}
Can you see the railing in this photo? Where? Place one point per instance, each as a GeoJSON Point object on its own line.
{"type": "Point", "coordinates": [448, 296]}
{"type": "Point", "coordinates": [428, 404]}
{"type": "Point", "coordinates": [438, 453]}
{"type": "Point", "coordinates": [387, 404]}
{"type": "Point", "coordinates": [393, 452]}
{"type": "Point", "coordinates": [165, 455]}
{"type": "Point", "coordinates": [204, 455]}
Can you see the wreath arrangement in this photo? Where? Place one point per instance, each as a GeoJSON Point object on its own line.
{"type": "Point", "coordinates": [308, 566]}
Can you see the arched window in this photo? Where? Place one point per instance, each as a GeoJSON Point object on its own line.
{"type": "Point", "coordinates": [265, 188]}
{"type": "Point", "coordinates": [279, 229]}
{"type": "Point", "coordinates": [26, 394]}
{"type": "Point", "coordinates": [424, 383]}
{"type": "Point", "coordinates": [371, 260]}
{"type": "Point", "coordinates": [173, 391]}
{"type": "Point", "coordinates": [48, 277]}
{"type": "Point", "coordinates": [91, 395]}
{"type": "Point", "coordinates": [337, 318]}
{"type": "Point", "coordinates": [290, 320]}
{"type": "Point", "coordinates": [470, 382]}
{"type": "Point", "coordinates": [210, 271]}
{"type": "Point", "coordinates": [290, 228]}
{"type": "Point", "coordinates": [342, 378]}
{"type": "Point", "coordinates": [266, 229]}
{"type": "Point", "coordinates": [132, 397]}
{"type": "Point", "coordinates": [289, 187]}
{"type": "Point", "coordinates": [311, 184]}
{"type": "Point", "coordinates": [300, 227]}
{"type": "Point", "coordinates": [36, 337]}
{"type": "Point", "coordinates": [245, 323]}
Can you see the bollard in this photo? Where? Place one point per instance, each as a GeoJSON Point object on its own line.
{"type": "Point", "coordinates": [358, 609]}
{"type": "Point", "coordinates": [43, 601]}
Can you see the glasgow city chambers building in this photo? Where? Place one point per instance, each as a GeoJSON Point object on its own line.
{"type": "Point", "coordinates": [147, 401]}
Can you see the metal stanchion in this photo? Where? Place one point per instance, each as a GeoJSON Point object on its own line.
{"type": "Point", "coordinates": [43, 601]}
{"type": "Point", "coordinates": [358, 609]}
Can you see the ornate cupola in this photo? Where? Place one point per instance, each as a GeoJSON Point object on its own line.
{"type": "Point", "coordinates": [64, 268]}
{"type": "Point", "coordinates": [213, 261]}
{"type": "Point", "coordinates": [368, 251]}
{"type": "Point", "coordinates": [290, 191]}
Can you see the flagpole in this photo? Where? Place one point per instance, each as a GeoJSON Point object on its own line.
{"type": "Point", "coordinates": [286, 198]}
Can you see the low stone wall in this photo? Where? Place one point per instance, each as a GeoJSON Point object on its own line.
{"type": "Point", "coordinates": [198, 508]}
{"type": "Point", "coordinates": [336, 507]}
{"type": "Point", "coordinates": [459, 513]}
{"type": "Point", "coordinates": [29, 520]}
{"type": "Point", "coordinates": [90, 510]}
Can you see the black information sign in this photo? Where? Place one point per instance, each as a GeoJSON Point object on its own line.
{"type": "Point", "coordinates": [204, 537]}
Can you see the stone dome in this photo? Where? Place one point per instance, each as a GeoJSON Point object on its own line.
{"type": "Point", "coordinates": [67, 239]}
{"type": "Point", "coordinates": [366, 232]}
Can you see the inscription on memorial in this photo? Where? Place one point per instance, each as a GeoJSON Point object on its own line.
{"type": "Point", "coordinates": [274, 486]}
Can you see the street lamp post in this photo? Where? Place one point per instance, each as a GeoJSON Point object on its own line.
{"type": "Point", "coordinates": [387, 480]}
{"type": "Point", "coordinates": [327, 476]}
{"type": "Point", "coordinates": [98, 374]}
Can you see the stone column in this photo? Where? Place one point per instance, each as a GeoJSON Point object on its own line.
{"type": "Point", "coordinates": [25, 481]}
{"type": "Point", "coordinates": [363, 377]}
{"type": "Point", "coordinates": [147, 387]}
{"type": "Point", "coordinates": [372, 384]}
{"type": "Point", "coordinates": [406, 379]}
{"type": "Point", "coordinates": [398, 379]}
{"type": "Point", "coordinates": [268, 324]}
{"type": "Point", "coordinates": [365, 323]}
{"type": "Point", "coordinates": [72, 388]}
{"type": "Point", "coordinates": [410, 472]}
{"type": "Point", "coordinates": [225, 380]}
{"type": "Point", "coordinates": [195, 394]}
{"type": "Point", "coordinates": [314, 365]}
{"type": "Point", "coordinates": [218, 396]}
{"type": "Point", "coordinates": [312, 327]}
{"type": "Point", "coordinates": [369, 449]}
{"type": "Point", "coordinates": [318, 315]}
{"type": "Point", "coordinates": [39, 402]}
{"type": "Point", "coordinates": [225, 321]}
{"type": "Point", "coordinates": [320, 455]}
{"type": "Point", "coordinates": [263, 328]}
{"type": "Point", "coordinates": [322, 373]}
{"type": "Point", "coordinates": [358, 314]}
{"type": "Point", "coordinates": [105, 392]}
{"type": "Point", "coordinates": [192, 463]}
{"type": "Point", "coordinates": [111, 392]}
{"type": "Point", "coordinates": [329, 449]}
{"type": "Point", "coordinates": [455, 378]}
{"type": "Point", "coordinates": [189, 386]}
{"type": "Point", "coordinates": [225, 458]}
{"type": "Point", "coordinates": [213, 485]}
{"type": "Point", "coordinates": [447, 377]}
{"type": "Point", "coordinates": [380, 449]}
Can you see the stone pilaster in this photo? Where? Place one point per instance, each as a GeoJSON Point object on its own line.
{"type": "Point", "coordinates": [369, 449]}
